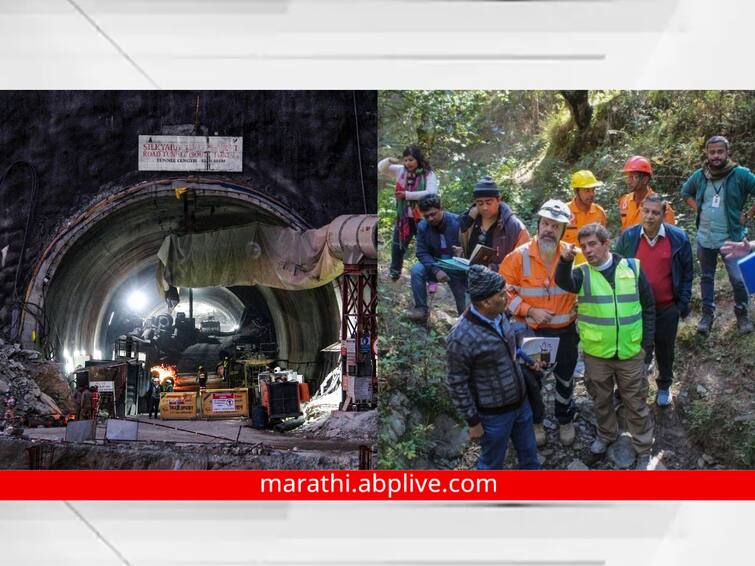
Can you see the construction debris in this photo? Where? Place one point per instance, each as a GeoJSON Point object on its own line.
{"type": "Point", "coordinates": [33, 403]}
{"type": "Point", "coordinates": [343, 425]}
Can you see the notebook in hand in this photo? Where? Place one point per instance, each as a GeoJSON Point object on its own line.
{"type": "Point", "coordinates": [482, 255]}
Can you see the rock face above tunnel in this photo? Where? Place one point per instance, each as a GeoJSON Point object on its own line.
{"type": "Point", "coordinates": [299, 148]}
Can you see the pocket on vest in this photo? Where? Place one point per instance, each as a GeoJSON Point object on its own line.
{"type": "Point", "coordinates": [636, 335]}
{"type": "Point", "coordinates": [590, 335]}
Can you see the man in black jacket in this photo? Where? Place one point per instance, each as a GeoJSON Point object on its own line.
{"type": "Point", "coordinates": [616, 320]}
{"type": "Point", "coordinates": [486, 383]}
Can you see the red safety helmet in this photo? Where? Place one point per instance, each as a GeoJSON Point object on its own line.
{"type": "Point", "coordinates": [639, 164]}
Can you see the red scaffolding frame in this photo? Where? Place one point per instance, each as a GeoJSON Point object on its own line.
{"type": "Point", "coordinates": [359, 323]}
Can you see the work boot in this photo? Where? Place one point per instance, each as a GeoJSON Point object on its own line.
{"type": "Point", "coordinates": [417, 315]}
{"type": "Point", "coordinates": [743, 322]}
{"type": "Point", "coordinates": [566, 434]}
{"type": "Point", "coordinates": [599, 446]}
{"type": "Point", "coordinates": [394, 275]}
{"type": "Point", "coordinates": [540, 438]}
{"type": "Point", "coordinates": [705, 324]}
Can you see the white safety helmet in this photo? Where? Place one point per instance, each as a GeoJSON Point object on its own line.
{"type": "Point", "coordinates": [555, 210]}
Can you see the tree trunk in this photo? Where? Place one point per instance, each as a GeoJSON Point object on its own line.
{"type": "Point", "coordinates": [581, 112]}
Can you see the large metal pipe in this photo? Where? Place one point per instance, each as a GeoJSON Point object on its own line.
{"type": "Point", "coordinates": [353, 237]}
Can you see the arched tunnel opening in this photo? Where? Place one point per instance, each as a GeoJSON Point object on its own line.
{"type": "Point", "coordinates": [97, 281]}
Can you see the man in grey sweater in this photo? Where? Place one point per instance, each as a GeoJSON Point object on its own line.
{"type": "Point", "coordinates": [485, 381]}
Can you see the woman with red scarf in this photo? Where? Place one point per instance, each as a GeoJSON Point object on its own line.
{"type": "Point", "coordinates": [414, 180]}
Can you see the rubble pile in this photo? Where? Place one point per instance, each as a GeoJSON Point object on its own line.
{"type": "Point", "coordinates": [23, 403]}
{"type": "Point", "coordinates": [344, 425]}
{"type": "Point", "coordinates": [327, 398]}
{"type": "Point", "coordinates": [15, 455]}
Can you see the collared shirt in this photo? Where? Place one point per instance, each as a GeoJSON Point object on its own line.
{"type": "Point", "coordinates": [496, 323]}
{"type": "Point", "coordinates": [661, 234]}
{"type": "Point", "coordinates": [630, 211]}
{"type": "Point", "coordinates": [713, 230]}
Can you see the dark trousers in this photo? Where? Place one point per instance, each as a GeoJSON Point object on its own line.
{"type": "Point", "coordinates": [397, 251]}
{"type": "Point", "coordinates": [666, 325]}
{"type": "Point", "coordinates": [566, 361]}
{"type": "Point", "coordinates": [708, 259]}
{"type": "Point", "coordinates": [534, 383]}
{"type": "Point", "coordinates": [153, 406]}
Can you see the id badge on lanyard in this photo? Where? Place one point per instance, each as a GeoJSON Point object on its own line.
{"type": "Point", "coordinates": [716, 201]}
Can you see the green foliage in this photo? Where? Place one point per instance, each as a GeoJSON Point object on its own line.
{"type": "Point", "coordinates": [522, 138]}
{"type": "Point", "coordinates": [399, 456]}
{"type": "Point", "coordinates": [465, 135]}
{"type": "Point", "coordinates": [668, 127]}
{"type": "Point", "coordinates": [714, 426]}
{"type": "Point", "coordinates": [414, 362]}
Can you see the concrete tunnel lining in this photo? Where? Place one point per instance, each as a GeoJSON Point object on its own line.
{"type": "Point", "coordinates": [117, 237]}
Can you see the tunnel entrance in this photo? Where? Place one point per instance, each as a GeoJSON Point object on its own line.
{"type": "Point", "coordinates": [96, 281]}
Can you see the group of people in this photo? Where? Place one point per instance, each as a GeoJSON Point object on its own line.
{"type": "Point", "coordinates": [614, 306]}
{"type": "Point", "coordinates": [153, 393]}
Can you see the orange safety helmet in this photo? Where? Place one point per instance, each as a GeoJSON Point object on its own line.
{"type": "Point", "coordinates": [639, 164]}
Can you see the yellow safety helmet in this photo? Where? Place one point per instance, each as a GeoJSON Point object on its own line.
{"type": "Point", "coordinates": [585, 179]}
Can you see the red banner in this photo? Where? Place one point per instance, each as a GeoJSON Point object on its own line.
{"type": "Point", "coordinates": [382, 485]}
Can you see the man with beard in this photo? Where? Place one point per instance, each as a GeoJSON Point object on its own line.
{"type": "Point", "coordinates": [666, 257]}
{"type": "Point", "coordinates": [583, 208]}
{"type": "Point", "coordinates": [548, 310]}
{"type": "Point", "coordinates": [616, 320]}
{"type": "Point", "coordinates": [490, 222]}
{"type": "Point", "coordinates": [718, 192]}
{"type": "Point", "coordinates": [637, 174]}
{"type": "Point", "coordinates": [437, 233]}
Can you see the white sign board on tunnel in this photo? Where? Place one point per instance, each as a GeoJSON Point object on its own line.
{"type": "Point", "coordinates": [190, 153]}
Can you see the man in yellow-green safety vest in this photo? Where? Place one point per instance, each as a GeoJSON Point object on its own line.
{"type": "Point", "coordinates": [616, 321]}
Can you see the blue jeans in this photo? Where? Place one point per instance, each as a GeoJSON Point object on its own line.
{"type": "Point", "coordinates": [421, 275]}
{"type": "Point", "coordinates": [516, 425]}
{"type": "Point", "coordinates": [708, 259]}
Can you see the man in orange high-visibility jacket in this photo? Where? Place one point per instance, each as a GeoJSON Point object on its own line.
{"type": "Point", "coordinates": [584, 209]}
{"type": "Point", "coordinates": [637, 174]}
{"type": "Point", "coordinates": [548, 310]}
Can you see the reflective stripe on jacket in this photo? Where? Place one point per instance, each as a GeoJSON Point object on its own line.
{"type": "Point", "coordinates": [531, 283]}
{"type": "Point", "coordinates": [610, 318]}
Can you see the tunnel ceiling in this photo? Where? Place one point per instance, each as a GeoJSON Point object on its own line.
{"type": "Point", "coordinates": [123, 244]}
